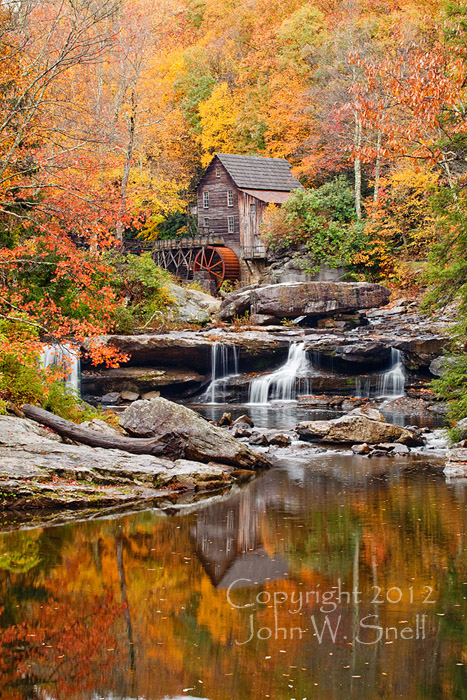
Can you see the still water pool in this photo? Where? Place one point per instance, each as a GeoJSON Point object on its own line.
{"type": "Point", "coordinates": [346, 578]}
{"type": "Point", "coordinates": [286, 415]}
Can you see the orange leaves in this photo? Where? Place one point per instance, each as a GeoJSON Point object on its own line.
{"type": "Point", "coordinates": [413, 99]}
{"type": "Point", "coordinates": [60, 291]}
{"type": "Point", "coordinates": [401, 225]}
{"type": "Point", "coordinates": [104, 354]}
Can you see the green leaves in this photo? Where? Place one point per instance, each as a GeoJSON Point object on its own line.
{"type": "Point", "coordinates": [321, 220]}
{"type": "Point", "coordinates": [142, 285]}
{"type": "Point", "coordinates": [447, 273]}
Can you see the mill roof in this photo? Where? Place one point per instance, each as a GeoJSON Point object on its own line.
{"type": "Point", "coordinates": [257, 173]}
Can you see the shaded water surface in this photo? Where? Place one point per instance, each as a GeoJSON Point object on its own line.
{"type": "Point", "coordinates": [263, 594]}
{"type": "Point", "coordinates": [286, 415]}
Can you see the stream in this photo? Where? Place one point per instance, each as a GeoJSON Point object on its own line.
{"type": "Point", "coordinates": [347, 579]}
{"type": "Point", "coordinates": [332, 576]}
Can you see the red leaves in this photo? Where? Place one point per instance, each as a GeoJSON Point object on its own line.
{"type": "Point", "coordinates": [412, 100]}
{"type": "Point", "coordinates": [63, 645]}
{"type": "Point", "coordinates": [63, 292]}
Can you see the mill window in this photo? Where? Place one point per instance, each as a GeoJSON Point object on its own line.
{"type": "Point", "coordinates": [205, 200]}
{"type": "Point", "coordinates": [230, 198]}
{"type": "Point", "coordinates": [218, 171]}
{"type": "Point", "coordinates": [230, 224]}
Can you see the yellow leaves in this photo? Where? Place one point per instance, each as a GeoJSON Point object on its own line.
{"type": "Point", "coordinates": [155, 196]}
{"type": "Point", "coordinates": [150, 230]}
{"type": "Point", "coordinates": [300, 31]}
{"type": "Point", "coordinates": [286, 116]}
{"type": "Point", "coordinates": [402, 225]}
{"type": "Point", "coordinates": [218, 121]}
{"type": "Point", "coordinates": [214, 614]}
{"type": "Point", "coordinates": [164, 71]}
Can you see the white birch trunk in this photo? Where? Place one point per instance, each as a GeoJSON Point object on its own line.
{"type": "Point", "coordinates": [358, 166]}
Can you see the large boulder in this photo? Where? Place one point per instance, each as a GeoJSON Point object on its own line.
{"type": "Point", "coordinates": [440, 365]}
{"type": "Point", "coordinates": [192, 305]}
{"type": "Point", "coordinates": [312, 299]}
{"type": "Point", "coordinates": [236, 304]}
{"type": "Point", "coordinates": [295, 269]}
{"type": "Point", "coordinates": [357, 427]}
{"type": "Point", "coordinates": [203, 442]}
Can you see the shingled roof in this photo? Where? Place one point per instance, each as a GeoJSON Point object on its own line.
{"type": "Point", "coordinates": [253, 172]}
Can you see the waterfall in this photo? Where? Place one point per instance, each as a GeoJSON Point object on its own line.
{"type": "Point", "coordinates": [66, 357]}
{"type": "Point", "coordinates": [391, 383]}
{"type": "Point", "coordinates": [281, 385]}
{"type": "Point", "coordinates": [386, 385]}
{"type": "Point", "coordinates": [224, 366]}
{"type": "Point", "coordinates": [362, 388]}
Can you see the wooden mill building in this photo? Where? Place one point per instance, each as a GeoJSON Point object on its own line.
{"type": "Point", "coordinates": [232, 197]}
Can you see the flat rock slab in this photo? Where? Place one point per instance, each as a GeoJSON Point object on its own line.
{"type": "Point", "coordinates": [422, 350]}
{"type": "Point", "coordinates": [192, 350]}
{"type": "Point", "coordinates": [368, 352]}
{"type": "Point", "coordinates": [138, 380]}
{"type": "Point", "coordinates": [456, 463]}
{"type": "Point", "coordinates": [38, 470]}
{"type": "Point", "coordinates": [164, 350]}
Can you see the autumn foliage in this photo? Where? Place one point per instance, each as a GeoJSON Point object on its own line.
{"type": "Point", "coordinates": [110, 109]}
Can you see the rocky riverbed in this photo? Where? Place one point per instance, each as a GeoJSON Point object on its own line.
{"type": "Point", "coordinates": [42, 471]}
{"type": "Point", "coordinates": [349, 339]}
{"type": "Point", "coordinates": [347, 351]}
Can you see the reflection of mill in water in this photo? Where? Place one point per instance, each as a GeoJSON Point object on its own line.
{"type": "Point", "coordinates": [229, 545]}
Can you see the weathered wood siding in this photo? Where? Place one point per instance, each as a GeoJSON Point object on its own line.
{"type": "Point", "coordinates": [251, 211]}
{"type": "Point", "coordinates": [218, 211]}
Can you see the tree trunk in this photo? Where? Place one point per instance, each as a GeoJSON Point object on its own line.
{"type": "Point", "coordinates": [447, 169]}
{"type": "Point", "coordinates": [174, 448]}
{"type": "Point", "coordinates": [120, 227]}
{"type": "Point", "coordinates": [358, 166]}
{"type": "Point", "coordinates": [127, 613]}
{"type": "Point", "coordinates": [377, 167]}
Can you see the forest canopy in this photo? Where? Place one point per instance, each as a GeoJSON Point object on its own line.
{"type": "Point", "coordinates": [110, 110]}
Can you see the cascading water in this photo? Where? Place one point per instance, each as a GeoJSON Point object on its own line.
{"type": "Point", "coordinates": [66, 357]}
{"type": "Point", "coordinates": [224, 366]}
{"type": "Point", "coordinates": [391, 384]}
{"type": "Point", "coordinates": [387, 385]}
{"type": "Point", "coordinates": [362, 388]}
{"type": "Point", "coordinates": [281, 385]}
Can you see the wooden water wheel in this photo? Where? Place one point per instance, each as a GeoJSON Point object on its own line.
{"type": "Point", "coordinates": [221, 264]}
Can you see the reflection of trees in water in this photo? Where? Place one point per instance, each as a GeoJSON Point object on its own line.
{"type": "Point", "coordinates": [320, 538]}
{"type": "Point", "coordinates": [171, 575]}
{"type": "Point", "coordinates": [20, 552]}
{"type": "Point", "coordinates": [63, 648]}
{"type": "Point", "coordinates": [29, 556]}
{"type": "Point", "coordinates": [124, 598]}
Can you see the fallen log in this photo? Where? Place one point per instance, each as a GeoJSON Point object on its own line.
{"type": "Point", "coordinates": [172, 447]}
